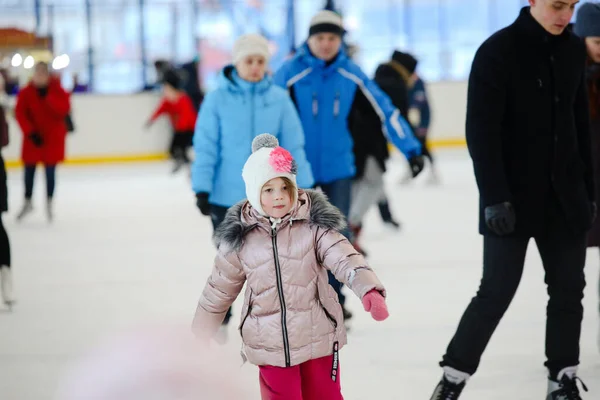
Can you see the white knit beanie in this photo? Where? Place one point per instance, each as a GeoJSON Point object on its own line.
{"type": "Point", "coordinates": [326, 21]}
{"type": "Point", "coordinates": [250, 44]}
{"type": "Point", "coordinates": [267, 161]}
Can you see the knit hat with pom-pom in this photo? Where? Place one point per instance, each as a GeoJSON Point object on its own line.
{"type": "Point", "coordinates": [267, 161]}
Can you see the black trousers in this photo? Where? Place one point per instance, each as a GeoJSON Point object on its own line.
{"type": "Point", "coordinates": [4, 245]}
{"type": "Point", "coordinates": [563, 255]}
{"type": "Point", "coordinates": [30, 177]}
{"type": "Point", "coordinates": [180, 143]}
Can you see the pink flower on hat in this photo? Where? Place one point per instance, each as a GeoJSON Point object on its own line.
{"type": "Point", "coordinates": [281, 160]}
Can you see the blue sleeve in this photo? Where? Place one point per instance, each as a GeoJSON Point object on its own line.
{"type": "Point", "coordinates": [280, 77]}
{"type": "Point", "coordinates": [397, 129]}
{"type": "Point", "coordinates": [291, 138]}
{"type": "Point", "coordinates": [420, 102]}
{"type": "Point", "coordinates": [206, 146]}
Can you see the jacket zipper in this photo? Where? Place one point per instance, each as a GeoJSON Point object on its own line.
{"type": "Point", "coordinates": [286, 344]}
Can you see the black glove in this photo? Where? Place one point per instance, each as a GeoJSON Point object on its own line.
{"type": "Point", "coordinates": [416, 165]}
{"type": "Point", "coordinates": [500, 218]}
{"type": "Point", "coordinates": [36, 138]}
{"type": "Point", "coordinates": [202, 203]}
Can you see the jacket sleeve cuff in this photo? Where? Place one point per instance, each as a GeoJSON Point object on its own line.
{"type": "Point", "coordinates": [362, 280]}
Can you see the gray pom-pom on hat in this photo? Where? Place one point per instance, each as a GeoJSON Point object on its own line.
{"type": "Point", "coordinates": [264, 140]}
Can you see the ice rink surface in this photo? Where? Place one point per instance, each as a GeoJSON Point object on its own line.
{"type": "Point", "coordinates": [128, 246]}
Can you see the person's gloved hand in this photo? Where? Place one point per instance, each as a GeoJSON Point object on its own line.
{"type": "Point", "coordinates": [374, 303]}
{"type": "Point", "coordinates": [500, 218]}
{"type": "Point", "coordinates": [202, 203]}
{"type": "Point", "coordinates": [37, 139]}
{"type": "Point", "coordinates": [416, 165]}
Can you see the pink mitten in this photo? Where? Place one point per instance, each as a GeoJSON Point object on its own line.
{"type": "Point", "coordinates": [374, 303]}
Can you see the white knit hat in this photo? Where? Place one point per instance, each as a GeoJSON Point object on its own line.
{"type": "Point", "coordinates": [267, 161]}
{"type": "Point", "coordinates": [249, 45]}
{"type": "Point", "coordinates": [326, 21]}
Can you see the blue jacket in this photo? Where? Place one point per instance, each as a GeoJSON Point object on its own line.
{"type": "Point", "coordinates": [326, 96]}
{"type": "Point", "coordinates": [230, 118]}
{"type": "Point", "coordinates": [418, 100]}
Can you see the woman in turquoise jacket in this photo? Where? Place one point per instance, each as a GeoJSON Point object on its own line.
{"type": "Point", "coordinates": [245, 104]}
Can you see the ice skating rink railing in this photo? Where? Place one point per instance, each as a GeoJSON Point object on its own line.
{"type": "Point", "coordinates": [111, 128]}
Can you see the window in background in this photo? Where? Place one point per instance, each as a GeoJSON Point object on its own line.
{"type": "Point", "coordinates": [117, 54]}
{"type": "Point", "coordinates": [376, 28]}
{"type": "Point", "coordinates": [467, 23]}
{"type": "Point", "coordinates": [17, 14]}
{"type": "Point", "coordinates": [425, 36]}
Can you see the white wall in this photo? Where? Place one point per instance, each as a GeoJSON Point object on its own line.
{"type": "Point", "coordinates": [112, 126]}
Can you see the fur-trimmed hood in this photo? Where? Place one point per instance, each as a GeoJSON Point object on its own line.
{"type": "Point", "coordinates": [312, 205]}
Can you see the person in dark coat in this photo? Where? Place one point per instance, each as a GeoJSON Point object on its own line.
{"type": "Point", "coordinates": [41, 111]}
{"type": "Point", "coordinates": [528, 134]}
{"type": "Point", "coordinates": [588, 27]}
{"type": "Point", "coordinates": [6, 289]}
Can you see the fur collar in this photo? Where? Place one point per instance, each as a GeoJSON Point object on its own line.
{"type": "Point", "coordinates": [313, 206]}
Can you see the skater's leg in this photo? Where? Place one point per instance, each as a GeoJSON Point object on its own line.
{"type": "Point", "coordinates": [317, 383]}
{"type": "Point", "coordinates": [366, 191]}
{"type": "Point", "coordinates": [6, 285]}
{"type": "Point", "coordinates": [186, 143]}
{"type": "Point", "coordinates": [4, 246]}
{"type": "Point", "coordinates": [50, 180]}
{"type": "Point", "coordinates": [29, 180]}
{"type": "Point", "coordinates": [29, 175]}
{"type": "Point", "coordinates": [563, 255]}
{"type": "Point", "coordinates": [503, 259]}
{"type": "Point", "coordinates": [277, 383]}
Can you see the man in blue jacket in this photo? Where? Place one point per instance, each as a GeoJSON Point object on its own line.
{"type": "Point", "coordinates": [327, 88]}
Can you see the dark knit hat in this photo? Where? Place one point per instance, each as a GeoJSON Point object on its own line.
{"type": "Point", "coordinates": [326, 21]}
{"type": "Point", "coordinates": [588, 20]}
{"type": "Point", "coordinates": [171, 78]}
{"type": "Point", "coordinates": [406, 60]}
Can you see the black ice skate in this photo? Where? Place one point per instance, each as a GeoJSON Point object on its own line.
{"type": "Point", "coordinates": [566, 387]}
{"type": "Point", "coordinates": [447, 390]}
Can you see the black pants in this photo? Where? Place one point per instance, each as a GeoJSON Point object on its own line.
{"type": "Point", "coordinates": [180, 143]}
{"type": "Point", "coordinates": [217, 215]}
{"type": "Point", "coordinates": [50, 180]}
{"type": "Point", "coordinates": [4, 246]}
{"type": "Point", "coordinates": [563, 255]}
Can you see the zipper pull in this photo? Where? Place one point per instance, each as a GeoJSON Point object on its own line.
{"type": "Point", "coordinates": [336, 105]}
{"type": "Point", "coordinates": [315, 105]}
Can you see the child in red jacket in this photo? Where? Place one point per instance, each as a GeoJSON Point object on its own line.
{"type": "Point", "coordinates": [180, 109]}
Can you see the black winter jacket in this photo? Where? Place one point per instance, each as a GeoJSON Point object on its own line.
{"type": "Point", "coordinates": [528, 128]}
{"type": "Point", "coordinates": [365, 126]}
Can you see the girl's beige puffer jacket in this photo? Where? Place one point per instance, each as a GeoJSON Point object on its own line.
{"type": "Point", "coordinates": [290, 313]}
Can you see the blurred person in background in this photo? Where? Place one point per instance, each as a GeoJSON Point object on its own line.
{"type": "Point", "coordinates": [328, 89]}
{"type": "Point", "coordinates": [245, 105]}
{"type": "Point", "coordinates": [418, 111]}
{"type": "Point", "coordinates": [6, 286]}
{"type": "Point", "coordinates": [528, 135]}
{"type": "Point", "coordinates": [182, 113]}
{"type": "Point", "coordinates": [41, 111]}
{"type": "Point", "coordinates": [587, 26]}
{"type": "Point", "coordinates": [191, 82]}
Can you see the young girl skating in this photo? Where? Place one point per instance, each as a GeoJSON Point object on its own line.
{"type": "Point", "coordinates": [282, 241]}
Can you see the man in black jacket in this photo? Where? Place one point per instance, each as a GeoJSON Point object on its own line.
{"type": "Point", "coordinates": [528, 135]}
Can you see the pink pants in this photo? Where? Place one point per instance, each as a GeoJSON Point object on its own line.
{"type": "Point", "coordinates": [308, 381]}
